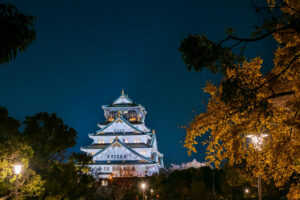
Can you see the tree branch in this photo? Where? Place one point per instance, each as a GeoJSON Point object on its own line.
{"type": "Point", "coordinates": [239, 42]}
{"type": "Point", "coordinates": [260, 37]}
{"type": "Point", "coordinates": [280, 73]}
{"type": "Point", "coordinates": [281, 94]}
{"type": "Point", "coordinates": [293, 9]}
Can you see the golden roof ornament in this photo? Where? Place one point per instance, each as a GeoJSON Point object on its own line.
{"type": "Point", "coordinates": [153, 131]}
{"type": "Point", "coordinates": [122, 92]}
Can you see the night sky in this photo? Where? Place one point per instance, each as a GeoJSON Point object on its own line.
{"type": "Point", "coordinates": [86, 52]}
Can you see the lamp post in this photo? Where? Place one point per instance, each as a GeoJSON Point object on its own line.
{"type": "Point", "coordinates": [257, 141]}
{"type": "Point", "coordinates": [143, 185]}
{"type": "Point", "coordinates": [17, 171]}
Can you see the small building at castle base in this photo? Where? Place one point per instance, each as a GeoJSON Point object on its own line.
{"type": "Point", "coordinates": [124, 146]}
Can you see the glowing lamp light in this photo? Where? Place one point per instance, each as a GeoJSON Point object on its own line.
{"type": "Point", "coordinates": [257, 140]}
{"type": "Point", "coordinates": [247, 191]}
{"type": "Point", "coordinates": [18, 169]}
{"type": "Point", "coordinates": [143, 186]}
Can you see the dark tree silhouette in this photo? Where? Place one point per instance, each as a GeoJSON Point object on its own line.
{"type": "Point", "coordinates": [16, 32]}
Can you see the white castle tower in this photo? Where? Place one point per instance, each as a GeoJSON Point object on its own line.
{"type": "Point", "coordinates": [124, 146]}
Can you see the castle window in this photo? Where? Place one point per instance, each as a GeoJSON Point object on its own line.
{"type": "Point", "coordinates": [119, 130]}
{"type": "Point", "coordinates": [125, 140]}
{"type": "Point", "coordinates": [101, 141]}
{"type": "Point", "coordinates": [124, 156]}
{"type": "Point", "coordinates": [107, 156]}
{"type": "Point", "coordinates": [137, 140]}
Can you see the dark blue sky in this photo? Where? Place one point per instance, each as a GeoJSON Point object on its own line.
{"type": "Point", "coordinates": [87, 51]}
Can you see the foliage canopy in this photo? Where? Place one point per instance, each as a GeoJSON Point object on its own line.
{"type": "Point", "coordinates": [49, 172]}
{"type": "Point", "coordinates": [16, 33]}
{"type": "Point", "coordinates": [248, 102]}
{"type": "Point", "coordinates": [13, 150]}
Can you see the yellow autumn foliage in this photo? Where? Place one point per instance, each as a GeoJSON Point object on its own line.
{"type": "Point", "coordinates": [228, 125]}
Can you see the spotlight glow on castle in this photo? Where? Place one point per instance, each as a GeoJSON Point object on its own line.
{"type": "Point", "coordinates": [124, 146]}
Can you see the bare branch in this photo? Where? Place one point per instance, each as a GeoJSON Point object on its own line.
{"type": "Point", "coordinates": [260, 37]}
{"type": "Point", "coordinates": [280, 73]}
{"type": "Point", "coordinates": [281, 94]}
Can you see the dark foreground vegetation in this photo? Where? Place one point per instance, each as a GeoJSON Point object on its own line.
{"type": "Point", "coordinates": [246, 101]}
{"type": "Point", "coordinates": [204, 183]}
{"type": "Point", "coordinates": [50, 172]}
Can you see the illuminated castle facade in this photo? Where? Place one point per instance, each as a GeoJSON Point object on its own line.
{"type": "Point", "coordinates": [124, 146]}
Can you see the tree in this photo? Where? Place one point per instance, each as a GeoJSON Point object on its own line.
{"type": "Point", "coordinates": [49, 171]}
{"type": "Point", "coordinates": [248, 102]}
{"type": "Point", "coordinates": [294, 192]}
{"type": "Point", "coordinates": [121, 186]}
{"type": "Point", "coordinates": [49, 138]}
{"type": "Point", "coordinates": [16, 33]}
{"type": "Point", "coordinates": [189, 183]}
{"type": "Point", "coordinates": [13, 150]}
{"type": "Point", "coordinates": [66, 175]}
{"type": "Point", "coordinates": [69, 180]}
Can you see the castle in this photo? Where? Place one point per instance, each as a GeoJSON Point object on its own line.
{"type": "Point", "coordinates": [124, 146]}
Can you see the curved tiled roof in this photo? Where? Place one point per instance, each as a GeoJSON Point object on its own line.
{"type": "Point", "coordinates": [125, 162]}
{"type": "Point", "coordinates": [127, 147]}
{"type": "Point", "coordinates": [123, 105]}
{"type": "Point", "coordinates": [124, 120]}
{"type": "Point", "coordinates": [118, 134]}
{"type": "Point", "coordinates": [130, 145]}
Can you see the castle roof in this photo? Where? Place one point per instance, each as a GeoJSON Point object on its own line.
{"type": "Point", "coordinates": [122, 101]}
{"type": "Point", "coordinates": [116, 134]}
{"type": "Point", "coordinates": [120, 119]}
{"type": "Point", "coordinates": [120, 144]}
{"type": "Point", "coordinates": [107, 122]}
{"type": "Point", "coordinates": [130, 145]}
{"type": "Point", "coordinates": [120, 162]}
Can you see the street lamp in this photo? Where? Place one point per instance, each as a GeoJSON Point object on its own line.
{"type": "Point", "coordinates": [257, 141]}
{"type": "Point", "coordinates": [143, 185]}
{"type": "Point", "coordinates": [247, 191]}
{"type": "Point", "coordinates": [17, 171]}
{"type": "Point", "coordinates": [151, 192]}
